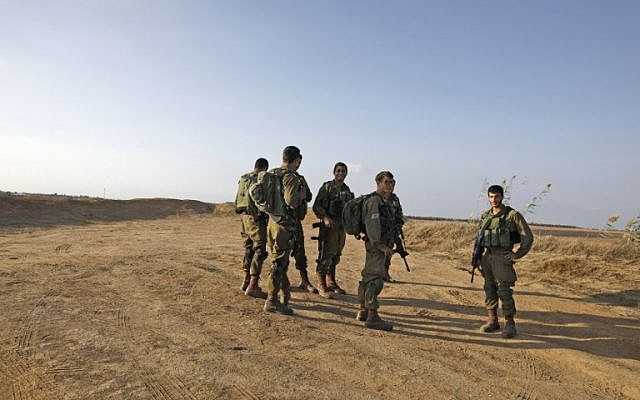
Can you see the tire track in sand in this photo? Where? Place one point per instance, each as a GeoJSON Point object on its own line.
{"type": "Point", "coordinates": [160, 387]}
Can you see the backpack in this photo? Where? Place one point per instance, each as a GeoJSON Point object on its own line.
{"type": "Point", "coordinates": [242, 196]}
{"type": "Point", "coordinates": [266, 192]}
{"type": "Point", "coordinates": [352, 215]}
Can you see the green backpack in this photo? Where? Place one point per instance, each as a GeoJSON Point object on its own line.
{"type": "Point", "coordinates": [243, 199]}
{"type": "Point", "coordinates": [352, 220]}
{"type": "Point", "coordinates": [266, 193]}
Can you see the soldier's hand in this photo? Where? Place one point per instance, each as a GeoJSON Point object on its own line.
{"type": "Point", "coordinates": [328, 222]}
{"type": "Point", "coordinates": [509, 256]}
{"type": "Point", "coordinates": [388, 251]}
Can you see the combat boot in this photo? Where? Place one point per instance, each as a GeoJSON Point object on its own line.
{"type": "Point", "coordinates": [304, 282]}
{"type": "Point", "coordinates": [509, 330]}
{"type": "Point", "coordinates": [333, 285]}
{"type": "Point", "coordinates": [254, 289]}
{"type": "Point", "coordinates": [375, 322]}
{"type": "Point", "coordinates": [362, 314]}
{"type": "Point", "coordinates": [492, 324]}
{"type": "Point", "coordinates": [245, 283]}
{"type": "Point", "coordinates": [283, 307]}
{"type": "Point", "coordinates": [387, 277]}
{"type": "Point", "coordinates": [323, 290]}
{"type": "Point", "coordinates": [271, 304]}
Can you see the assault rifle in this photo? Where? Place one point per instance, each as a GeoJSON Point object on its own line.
{"type": "Point", "coordinates": [401, 249]}
{"type": "Point", "coordinates": [478, 250]}
{"type": "Point", "coordinates": [321, 238]}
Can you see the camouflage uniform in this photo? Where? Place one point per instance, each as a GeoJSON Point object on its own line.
{"type": "Point", "coordinates": [381, 218]}
{"type": "Point", "coordinates": [284, 231]}
{"type": "Point", "coordinates": [499, 274]}
{"type": "Point", "coordinates": [396, 217]}
{"type": "Point", "coordinates": [329, 203]}
{"type": "Point", "coordinates": [254, 233]}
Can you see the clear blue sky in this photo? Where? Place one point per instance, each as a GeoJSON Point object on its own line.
{"type": "Point", "coordinates": [177, 99]}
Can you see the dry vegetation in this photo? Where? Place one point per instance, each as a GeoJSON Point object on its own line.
{"type": "Point", "coordinates": [579, 256]}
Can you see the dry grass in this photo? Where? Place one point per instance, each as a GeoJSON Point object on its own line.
{"type": "Point", "coordinates": [552, 257]}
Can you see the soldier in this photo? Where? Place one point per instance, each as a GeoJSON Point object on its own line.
{"type": "Point", "coordinates": [502, 228]}
{"type": "Point", "coordinates": [379, 221]}
{"type": "Point", "coordinates": [254, 232]}
{"type": "Point", "coordinates": [284, 232]}
{"type": "Point", "coordinates": [328, 208]}
{"type": "Point", "coordinates": [396, 211]}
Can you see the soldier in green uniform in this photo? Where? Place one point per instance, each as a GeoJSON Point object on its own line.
{"type": "Point", "coordinates": [501, 228]}
{"type": "Point", "coordinates": [398, 222]}
{"type": "Point", "coordinates": [284, 232]}
{"type": "Point", "coordinates": [328, 208]}
{"type": "Point", "coordinates": [379, 221]}
{"type": "Point", "coordinates": [254, 232]}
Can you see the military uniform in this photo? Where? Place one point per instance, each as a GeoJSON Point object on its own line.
{"type": "Point", "coordinates": [396, 217]}
{"type": "Point", "coordinates": [254, 233]}
{"type": "Point", "coordinates": [381, 223]}
{"type": "Point", "coordinates": [499, 233]}
{"type": "Point", "coordinates": [329, 203]}
{"type": "Point", "coordinates": [284, 231]}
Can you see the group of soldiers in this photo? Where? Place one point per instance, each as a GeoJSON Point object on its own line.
{"type": "Point", "coordinates": [382, 218]}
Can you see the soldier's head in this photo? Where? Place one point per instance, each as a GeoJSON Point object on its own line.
{"type": "Point", "coordinates": [261, 165]}
{"type": "Point", "coordinates": [385, 183]}
{"type": "Point", "coordinates": [291, 157]}
{"type": "Point", "coordinates": [340, 171]}
{"type": "Point", "coordinates": [496, 194]}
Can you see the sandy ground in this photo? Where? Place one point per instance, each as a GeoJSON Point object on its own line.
{"type": "Point", "coordinates": [152, 310]}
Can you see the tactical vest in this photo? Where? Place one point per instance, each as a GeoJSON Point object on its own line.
{"type": "Point", "coordinates": [499, 231]}
{"type": "Point", "coordinates": [244, 204]}
{"type": "Point", "coordinates": [390, 219]}
{"type": "Point", "coordinates": [338, 197]}
{"type": "Point", "coordinates": [268, 196]}
{"type": "Point", "coordinates": [301, 211]}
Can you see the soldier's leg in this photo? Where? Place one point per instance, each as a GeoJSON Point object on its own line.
{"type": "Point", "coordinates": [259, 239]}
{"type": "Point", "coordinates": [279, 241]}
{"type": "Point", "coordinates": [387, 265]}
{"type": "Point", "coordinates": [337, 244]}
{"type": "Point", "coordinates": [372, 279]}
{"type": "Point", "coordinates": [505, 276]}
{"type": "Point", "coordinates": [256, 231]}
{"type": "Point", "coordinates": [491, 295]}
{"type": "Point", "coordinates": [325, 263]}
{"type": "Point", "coordinates": [362, 312]}
{"type": "Point", "coordinates": [300, 256]}
{"type": "Point", "coordinates": [508, 308]}
{"type": "Point", "coordinates": [283, 307]}
{"type": "Point", "coordinates": [248, 254]}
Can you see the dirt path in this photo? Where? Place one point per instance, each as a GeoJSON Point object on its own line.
{"type": "Point", "coordinates": [152, 310]}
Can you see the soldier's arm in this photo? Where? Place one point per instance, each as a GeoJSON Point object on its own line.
{"type": "Point", "coordinates": [291, 187]}
{"type": "Point", "coordinates": [304, 187]}
{"type": "Point", "coordinates": [401, 219]}
{"type": "Point", "coordinates": [321, 204]}
{"type": "Point", "coordinates": [525, 235]}
{"type": "Point", "coordinates": [372, 223]}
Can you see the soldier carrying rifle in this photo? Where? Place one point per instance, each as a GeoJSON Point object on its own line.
{"type": "Point", "coordinates": [328, 206]}
{"type": "Point", "coordinates": [501, 227]}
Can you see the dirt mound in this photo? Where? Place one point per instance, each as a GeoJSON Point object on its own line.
{"type": "Point", "coordinates": [44, 211]}
{"type": "Point", "coordinates": [224, 210]}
